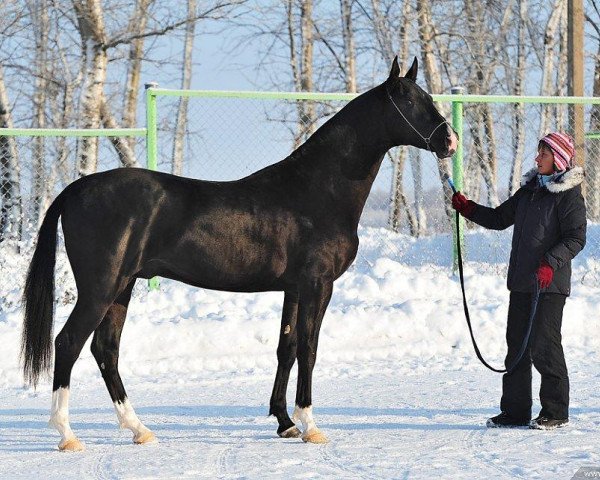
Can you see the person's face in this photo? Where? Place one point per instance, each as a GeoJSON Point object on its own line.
{"type": "Point", "coordinates": [545, 160]}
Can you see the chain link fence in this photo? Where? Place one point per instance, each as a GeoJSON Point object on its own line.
{"type": "Point", "coordinates": [227, 138]}
{"type": "Point", "coordinates": [36, 165]}
{"type": "Point", "coordinates": [230, 137]}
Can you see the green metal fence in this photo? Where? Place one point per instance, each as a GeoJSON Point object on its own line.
{"type": "Point", "coordinates": [456, 103]}
{"type": "Point", "coordinates": [233, 133]}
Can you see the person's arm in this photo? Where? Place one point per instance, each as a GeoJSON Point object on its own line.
{"type": "Point", "coordinates": [572, 224]}
{"type": "Point", "coordinates": [499, 218]}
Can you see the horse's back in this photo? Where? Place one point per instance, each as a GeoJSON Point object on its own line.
{"type": "Point", "coordinates": [134, 222]}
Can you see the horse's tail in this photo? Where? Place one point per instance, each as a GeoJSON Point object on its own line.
{"type": "Point", "coordinates": [38, 299]}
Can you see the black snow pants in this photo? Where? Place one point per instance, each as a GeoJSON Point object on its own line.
{"type": "Point", "coordinates": [544, 350]}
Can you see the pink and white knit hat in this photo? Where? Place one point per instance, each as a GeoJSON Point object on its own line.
{"type": "Point", "coordinates": [562, 147]}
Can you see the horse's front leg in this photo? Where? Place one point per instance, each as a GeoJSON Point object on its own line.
{"type": "Point", "coordinates": [286, 356]}
{"type": "Point", "coordinates": [314, 298]}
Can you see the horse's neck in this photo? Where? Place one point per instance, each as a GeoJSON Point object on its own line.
{"type": "Point", "coordinates": [343, 158]}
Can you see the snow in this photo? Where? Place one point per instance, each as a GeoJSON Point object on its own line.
{"type": "Point", "coordinates": [397, 388]}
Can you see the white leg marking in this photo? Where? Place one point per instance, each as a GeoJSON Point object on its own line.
{"type": "Point", "coordinates": [59, 418]}
{"type": "Point", "coordinates": [305, 416]}
{"type": "Point", "coordinates": [311, 433]}
{"type": "Point", "coordinates": [128, 419]}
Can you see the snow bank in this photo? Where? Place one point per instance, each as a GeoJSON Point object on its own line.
{"type": "Point", "coordinates": [400, 302]}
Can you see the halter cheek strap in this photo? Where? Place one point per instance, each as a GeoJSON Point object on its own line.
{"type": "Point", "coordinates": [427, 140]}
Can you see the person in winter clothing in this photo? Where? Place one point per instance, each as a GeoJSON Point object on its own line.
{"type": "Point", "coordinates": [549, 218]}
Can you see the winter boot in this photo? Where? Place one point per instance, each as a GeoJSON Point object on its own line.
{"type": "Point", "coordinates": [545, 423]}
{"type": "Point", "coordinates": [506, 421]}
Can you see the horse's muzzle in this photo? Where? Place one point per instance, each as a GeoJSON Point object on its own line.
{"type": "Point", "coordinates": [451, 144]}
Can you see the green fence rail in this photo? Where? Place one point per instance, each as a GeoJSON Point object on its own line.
{"type": "Point", "coordinates": [73, 132]}
{"type": "Point", "coordinates": [456, 100]}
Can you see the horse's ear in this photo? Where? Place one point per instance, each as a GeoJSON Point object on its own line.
{"type": "Point", "coordinates": [395, 71]}
{"type": "Point", "coordinates": [412, 71]}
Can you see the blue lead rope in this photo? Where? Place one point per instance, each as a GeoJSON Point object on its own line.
{"type": "Point", "coordinates": [534, 304]}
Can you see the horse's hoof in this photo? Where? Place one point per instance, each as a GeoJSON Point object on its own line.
{"type": "Point", "coordinates": [314, 436]}
{"type": "Point", "coordinates": [71, 445]}
{"type": "Point", "coordinates": [145, 437]}
{"type": "Point", "coordinates": [292, 432]}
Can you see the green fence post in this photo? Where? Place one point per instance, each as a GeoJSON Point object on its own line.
{"type": "Point", "coordinates": [457, 168]}
{"type": "Point", "coordinates": [151, 148]}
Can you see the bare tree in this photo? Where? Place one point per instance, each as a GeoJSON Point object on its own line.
{"type": "Point", "coordinates": [186, 80]}
{"type": "Point", "coordinates": [593, 145]}
{"type": "Point", "coordinates": [90, 24]}
{"type": "Point", "coordinates": [549, 62]}
{"type": "Point", "coordinates": [137, 25]}
{"type": "Point", "coordinates": [381, 27]}
{"type": "Point", "coordinates": [301, 61]}
{"type": "Point", "coordinates": [349, 49]}
{"type": "Point", "coordinates": [38, 12]}
{"type": "Point", "coordinates": [433, 77]}
{"type": "Point", "coordinates": [10, 190]}
{"type": "Point", "coordinates": [562, 80]}
{"type": "Point", "coordinates": [519, 108]}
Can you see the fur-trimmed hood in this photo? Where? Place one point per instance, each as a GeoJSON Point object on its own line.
{"type": "Point", "coordinates": [560, 182]}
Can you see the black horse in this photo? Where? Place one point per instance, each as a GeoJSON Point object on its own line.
{"type": "Point", "coordinates": [289, 227]}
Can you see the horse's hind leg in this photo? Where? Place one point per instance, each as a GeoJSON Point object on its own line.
{"type": "Point", "coordinates": [83, 320]}
{"type": "Point", "coordinates": [286, 356]}
{"type": "Point", "coordinates": [105, 348]}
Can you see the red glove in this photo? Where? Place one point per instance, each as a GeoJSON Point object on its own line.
{"type": "Point", "coordinates": [463, 205]}
{"type": "Point", "coordinates": [544, 274]}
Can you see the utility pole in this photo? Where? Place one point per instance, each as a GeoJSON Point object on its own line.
{"type": "Point", "coordinates": [575, 55]}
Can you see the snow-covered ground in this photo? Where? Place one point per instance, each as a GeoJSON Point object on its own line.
{"type": "Point", "coordinates": [397, 388]}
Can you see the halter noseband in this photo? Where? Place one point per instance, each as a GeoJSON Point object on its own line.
{"type": "Point", "coordinates": [427, 140]}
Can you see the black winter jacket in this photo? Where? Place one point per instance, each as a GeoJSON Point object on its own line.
{"type": "Point", "coordinates": [549, 223]}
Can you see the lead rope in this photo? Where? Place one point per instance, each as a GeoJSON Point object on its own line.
{"type": "Point", "coordinates": [534, 304]}
{"type": "Point", "coordinates": [536, 295]}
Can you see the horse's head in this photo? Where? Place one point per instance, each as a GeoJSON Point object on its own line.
{"type": "Point", "coordinates": [411, 116]}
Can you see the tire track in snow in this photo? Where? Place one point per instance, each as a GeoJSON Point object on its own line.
{"type": "Point", "coordinates": [474, 442]}
{"type": "Point", "coordinates": [98, 466]}
{"type": "Point", "coordinates": [224, 461]}
{"type": "Point", "coordinates": [330, 453]}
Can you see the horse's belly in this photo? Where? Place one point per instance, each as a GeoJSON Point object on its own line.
{"type": "Point", "coordinates": [225, 266]}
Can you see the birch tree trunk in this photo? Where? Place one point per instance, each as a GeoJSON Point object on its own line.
{"type": "Point", "coordinates": [490, 166]}
{"type": "Point", "coordinates": [302, 66]}
{"type": "Point", "coordinates": [308, 115]}
{"type": "Point", "coordinates": [433, 78]}
{"type": "Point", "coordinates": [93, 36]}
{"type": "Point", "coordinates": [548, 68]}
{"type": "Point", "coordinates": [41, 24]}
{"type": "Point", "coordinates": [122, 144]}
{"type": "Point", "coordinates": [349, 50]}
{"type": "Point", "coordinates": [482, 127]}
{"type": "Point", "coordinates": [137, 26]}
{"type": "Point", "coordinates": [562, 120]}
{"type": "Point", "coordinates": [417, 172]}
{"type": "Point", "coordinates": [11, 213]}
{"type": "Point", "coordinates": [476, 160]}
{"type": "Point", "coordinates": [62, 106]}
{"type": "Point", "coordinates": [593, 145]}
{"type": "Point", "coordinates": [519, 108]}
{"type": "Point", "coordinates": [181, 122]}
{"type": "Point", "coordinates": [399, 201]}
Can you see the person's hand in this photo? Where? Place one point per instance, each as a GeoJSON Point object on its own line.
{"type": "Point", "coordinates": [463, 205]}
{"type": "Point", "coordinates": [544, 274]}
